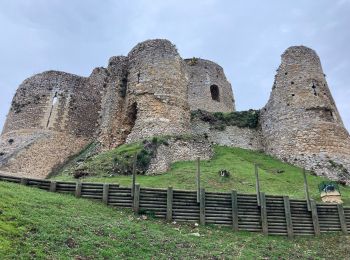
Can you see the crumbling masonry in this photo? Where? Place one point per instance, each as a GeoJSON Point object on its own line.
{"type": "Point", "coordinates": [151, 92]}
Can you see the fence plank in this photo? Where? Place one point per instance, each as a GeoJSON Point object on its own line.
{"type": "Point", "coordinates": [234, 204]}
{"type": "Point", "coordinates": [198, 179]}
{"type": "Point", "coordinates": [169, 204]}
{"type": "Point", "coordinates": [105, 193]}
{"type": "Point", "coordinates": [257, 184]}
{"type": "Point", "coordinates": [263, 213]}
{"type": "Point", "coordinates": [53, 185]}
{"type": "Point", "coordinates": [136, 199]}
{"type": "Point", "coordinates": [78, 189]}
{"type": "Point", "coordinates": [288, 216]}
{"type": "Point", "coordinates": [315, 217]}
{"type": "Point", "coordinates": [307, 194]}
{"type": "Point", "coordinates": [202, 207]}
{"type": "Point", "coordinates": [133, 176]}
{"type": "Point", "coordinates": [342, 219]}
{"type": "Point", "coordinates": [24, 181]}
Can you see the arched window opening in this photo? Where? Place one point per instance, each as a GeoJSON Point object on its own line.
{"type": "Point", "coordinates": [215, 93]}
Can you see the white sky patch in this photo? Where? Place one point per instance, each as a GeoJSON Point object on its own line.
{"type": "Point", "coordinates": [246, 38]}
{"type": "Point", "coordinates": [285, 28]}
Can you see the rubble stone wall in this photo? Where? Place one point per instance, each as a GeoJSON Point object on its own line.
{"type": "Point", "coordinates": [300, 123]}
{"type": "Point", "coordinates": [151, 93]}
{"type": "Point", "coordinates": [111, 132]}
{"type": "Point", "coordinates": [56, 101]}
{"type": "Point", "coordinates": [204, 77]}
{"type": "Point", "coordinates": [179, 150]}
{"type": "Point", "coordinates": [233, 136]}
{"type": "Point", "coordinates": [157, 87]}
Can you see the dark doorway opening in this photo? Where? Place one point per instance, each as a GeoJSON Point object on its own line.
{"type": "Point", "coordinates": [215, 94]}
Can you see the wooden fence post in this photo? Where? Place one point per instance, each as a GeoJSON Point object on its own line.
{"type": "Point", "coordinates": [136, 199]}
{"type": "Point", "coordinates": [202, 207]}
{"type": "Point", "coordinates": [307, 194]}
{"type": "Point", "coordinates": [105, 193]}
{"type": "Point", "coordinates": [342, 219]}
{"type": "Point", "coordinates": [315, 217]}
{"type": "Point", "coordinates": [234, 210]}
{"type": "Point", "coordinates": [78, 187]}
{"type": "Point", "coordinates": [133, 177]}
{"type": "Point", "coordinates": [198, 179]}
{"type": "Point", "coordinates": [288, 216]}
{"type": "Point", "coordinates": [24, 181]}
{"type": "Point", "coordinates": [169, 204]}
{"type": "Point", "coordinates": [257, 184]}
{"type": "Point", "coordinates": [53, 185]}
{"type": "Point", "coordinates": [263, 212]}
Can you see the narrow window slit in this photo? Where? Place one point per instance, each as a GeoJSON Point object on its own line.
{"type": "Point", "coordinates": [54, 101]}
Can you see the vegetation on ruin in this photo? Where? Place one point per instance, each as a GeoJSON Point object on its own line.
{"type": "Point", "coordinates": [276, 177]}
{"type": "Point", "coordinates": [193, 61]}
{"type": "Point", "coordinates": [118, 161]}
{"type": "Point", "coordinates": [60, 226]}
{"type": "Point", "coordinates": [343, 173]}
{"type": "Point", "coordinates": [219, 120]}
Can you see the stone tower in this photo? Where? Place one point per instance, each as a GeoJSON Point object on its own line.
{"type": "Point", "coordinates": [208, 87]}
{"type": "Point", "coordinates": [52, 116]}
{"type": "Point", "coordinates": [113, 128]}
{"type": "Point", "coordinates": [300, 123]}
{"type": "Point", "coordinates": [157, 91]}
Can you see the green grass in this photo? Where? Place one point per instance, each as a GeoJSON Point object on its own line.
{"type": "Point", "coordinates": [239, 162]}
{"type": "Point", "coordinates": [36, 224]}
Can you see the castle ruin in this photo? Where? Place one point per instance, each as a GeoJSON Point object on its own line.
{"type": "Point", "coordinates": [152, 91]}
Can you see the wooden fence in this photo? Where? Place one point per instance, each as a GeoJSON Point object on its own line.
{"type": "Point", "coordinates": [275, 215]}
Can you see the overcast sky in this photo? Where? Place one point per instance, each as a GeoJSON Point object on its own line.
{"type": "Point", "coordinates": [245, 37]}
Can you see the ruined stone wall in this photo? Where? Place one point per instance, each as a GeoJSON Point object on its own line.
{"type": "Point", "coordinates": [53, 116]}
{"type": "Point", "coordinates": [112, 127]}
{"type": "Point", "coordinates": [151, 93]}
{"type": "Point", "coordinates": [40, 102]}
{"type": "Point", "coordinates": [56, 101]}
{"type": "Point", "coordinates": [300, 123]}
{"type": "Point", "coordinates": [233, 136]}
{"type": "Point", "coordinates": [36, 153]}
{"type": "Point", "coordinates": [157, 91]}
{"type": "Point", "coordinates": [208, 89]}
{"type": "Point", "coordinates": [179, 150]}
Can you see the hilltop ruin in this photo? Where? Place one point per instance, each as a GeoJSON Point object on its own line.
{"type": "Point", "coordinates": [154, 92]}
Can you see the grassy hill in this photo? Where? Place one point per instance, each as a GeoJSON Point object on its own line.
{"type": "Point", "coordinates": [36, 224]}
{"type": "Point", "coordinates": [277, 177]}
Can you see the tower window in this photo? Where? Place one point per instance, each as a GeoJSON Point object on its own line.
{"type": "Point", "coordinates": [215, 94]}
{"type": "Point", "coordinates": [55, 99]}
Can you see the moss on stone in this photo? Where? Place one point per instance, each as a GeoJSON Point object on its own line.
{"type": "Point", "coordinates": [219, 120]}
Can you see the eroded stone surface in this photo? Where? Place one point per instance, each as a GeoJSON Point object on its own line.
{"type": "Point", "coordinates": [233, 136]}
{"type": "Point", "coordinates": [300, 123]}
{"type": "Point", "coordinates": [151, 92]}
{"type": "Point", "coordinates": [209, 89]}
{"type": "Point", "coordinates": [36, 153]}
{"type": "Point", "coordinates": [179, 150]}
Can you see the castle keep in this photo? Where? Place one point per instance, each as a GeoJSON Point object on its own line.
{"type": "Point", "coordinates": [153, 92]}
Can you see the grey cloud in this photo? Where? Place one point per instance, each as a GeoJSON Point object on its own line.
{"type": "Point", "coordinates": [245, 37]}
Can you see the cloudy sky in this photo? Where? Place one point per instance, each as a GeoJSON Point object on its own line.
{"type": "Point", "coordinates": [246, 37]}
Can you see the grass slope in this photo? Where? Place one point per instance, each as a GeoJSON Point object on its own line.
{"type": "Point", "coordinates": [239, 162]}
{"type": "Point", "coordinates": [36, 224]}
